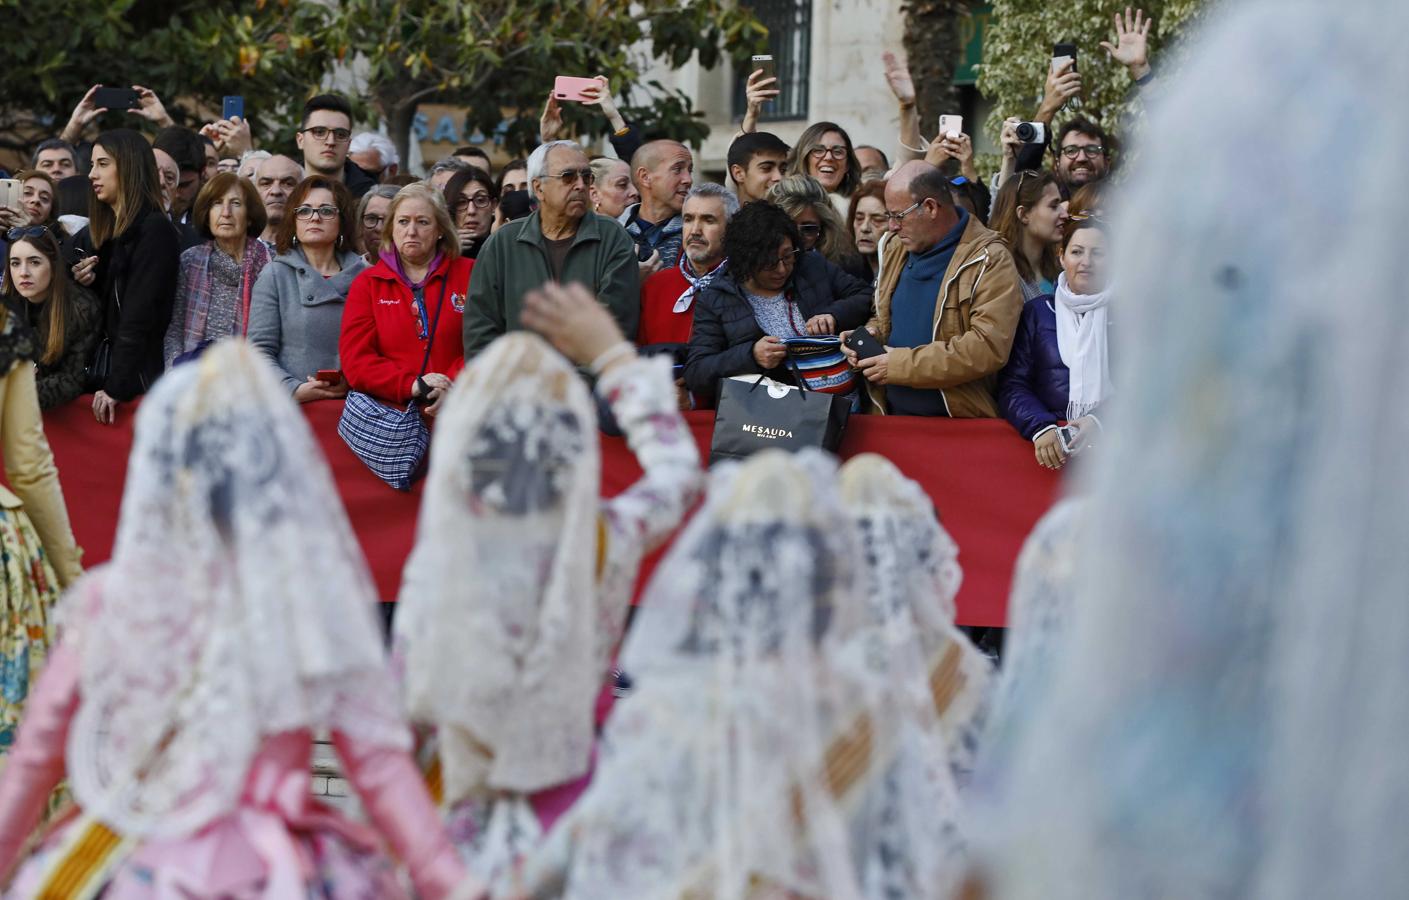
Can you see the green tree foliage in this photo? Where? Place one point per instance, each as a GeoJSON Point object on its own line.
{"type": "Point", "coordinates": [499, 57]}
{"type": "Point", "coordinates": [1018, 51]}
{"type": "Point", "coordinates": [191, 52]}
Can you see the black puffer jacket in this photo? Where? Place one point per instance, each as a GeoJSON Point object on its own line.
{"type": "Point", "coordinates": [725, 329]}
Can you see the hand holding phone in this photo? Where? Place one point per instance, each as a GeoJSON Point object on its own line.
{"type": "Point", "coordinates": [568, 87]}
{"type": "Point", "coordinates": [1063, 53]}
{"type": "Point", "coordinates": [328, 376]}
{"type": "Point", "coordinates": [116, 98]}
{"type": "Point", "coordinates": [11, 190]}
{"type": "Point", "coordinates": [864, 344]}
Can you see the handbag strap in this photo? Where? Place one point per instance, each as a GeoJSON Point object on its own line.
{"type": "Point", "coordinates": [435, 323]}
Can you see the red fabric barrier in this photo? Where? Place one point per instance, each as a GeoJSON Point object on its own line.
{"type": "Point", "coordinates": [982, 476]}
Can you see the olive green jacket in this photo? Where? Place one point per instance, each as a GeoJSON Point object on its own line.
{"type": "Point", "coordinates": [514, 260]}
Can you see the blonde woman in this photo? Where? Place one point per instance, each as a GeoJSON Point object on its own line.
{"type": "Point", "coordinates": [822, 228]}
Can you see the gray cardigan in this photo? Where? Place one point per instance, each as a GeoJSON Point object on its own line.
{"type": "Point", "coordinates": [296, 314]}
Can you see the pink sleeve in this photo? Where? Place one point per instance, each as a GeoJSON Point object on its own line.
{"type": "Point", "coordinates": [398, 805]}
{"type": "Point", "coordinates": [36, 761]}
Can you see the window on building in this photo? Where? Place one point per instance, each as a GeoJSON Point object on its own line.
{"type": "Point", "coordinates": [789, 24]}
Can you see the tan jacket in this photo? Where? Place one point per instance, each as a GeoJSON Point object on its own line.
{"type": "Point", "coordinates": [975, 318]}
{"type": "Point", "coordinates": [29, 467]}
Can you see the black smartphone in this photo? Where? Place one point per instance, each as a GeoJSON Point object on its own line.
{"type": "Point", "coordinates": [1060, 50]}
{"type": "Point", "coordinates": [643, 252]}
{"type": "Point", "coordinates": [111, 98]}
{"type": "Point", "coordinates": [232, 107]}
{"type": "Point", "coordinates": [865, 344]}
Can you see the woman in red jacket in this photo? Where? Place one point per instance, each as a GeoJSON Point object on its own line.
{"type": "Point", "coordinates": [414, 297]}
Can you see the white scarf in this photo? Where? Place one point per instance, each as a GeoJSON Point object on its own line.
{"type": "Point", "coordinates": [1081, 340]}
{"type": "Point", "coordinates": [697, 282]}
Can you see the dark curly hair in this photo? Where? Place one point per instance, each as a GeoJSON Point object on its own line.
{"type": "Point", "coordinates": [753, 236]}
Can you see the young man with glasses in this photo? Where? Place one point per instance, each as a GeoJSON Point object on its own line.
{"type": "Point", "coordinates": [1082, 152]}
{"type": "Point", "coordinates": [562, 241]}
{"type": "Point", "coordinates": [324, 139]}
{"type": "Point", "coordinates": [948, 302]}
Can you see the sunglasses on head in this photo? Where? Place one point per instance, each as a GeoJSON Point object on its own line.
{"type": "Point", "coordinates": [20, 232]}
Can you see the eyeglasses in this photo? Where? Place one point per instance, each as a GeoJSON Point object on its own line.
{"type": "Point", "coordinates": [321, 132]}
{"type": "Point", "coordinates": [809, 230]}
{"type": "Point", "coordinates": [479, 201]}
{"type": "Point", "coordinates": [322, 212]}
{"type": "Point", "coordinates": [572, 176]}
{"type": "Point", "coordinates": [373, 221]}
{"type": "Point", "coordinates": [896, 217]}
{"type": "Point", "coordinates": [836, 151]}
{"type": "Point", "coordinates": [1072, 151]}
{"type": "Point", "coordinates": [786, 261]}
{"type": "Point", "coordinates": [20, 232]}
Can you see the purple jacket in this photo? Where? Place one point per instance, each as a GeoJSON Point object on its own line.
{"type": "Point", "coordinates": [1033, 386]}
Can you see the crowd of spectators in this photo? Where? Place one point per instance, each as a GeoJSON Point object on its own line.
{"type": "Point", "coordinates": [331, 257]}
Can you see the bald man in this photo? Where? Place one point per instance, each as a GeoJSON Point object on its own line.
{"type": "Point", "coordinates": [948, 302]}
{"type": "Point", "coordinates": [664, 172]}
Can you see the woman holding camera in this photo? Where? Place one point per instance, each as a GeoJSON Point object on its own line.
{"type": "Point", "coordinates": [411, 300]}
{"type": "Point", "coordinates": [1059, 368]}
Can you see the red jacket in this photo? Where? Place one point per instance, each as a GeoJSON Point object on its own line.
{"type": "Point", "coordinates": [660, 324]}
{"type": "Point", "coordinates": [380, 349]}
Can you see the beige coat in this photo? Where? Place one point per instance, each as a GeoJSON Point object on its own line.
{"type": "Point", "coordinates": [975, 318]}
{"type": "Point", "coordinates": [29, 467]}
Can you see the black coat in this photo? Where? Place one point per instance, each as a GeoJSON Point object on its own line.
{"type": "Point", "coordinates": [725, 329]}
{"type": "Point", "coordinates": [136, 284]}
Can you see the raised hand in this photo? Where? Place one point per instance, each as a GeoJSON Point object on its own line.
{"type": "Point", "coordinates": [898, 77]}
{"type": "Point", "coordinates": [757, 91]}
{"type": "Point", "coordinates": [601, 97]}
{"type": "Point", "coordinates": [550, 124]}
{"type": "Point", "coordinates": [1131, 48]}
{"type": "Point", "coordinates": [149, 107]}
{"type": "Point", "coordinates": [1063, 83]}
{"type": "Point", "coordinates": [85, 112]}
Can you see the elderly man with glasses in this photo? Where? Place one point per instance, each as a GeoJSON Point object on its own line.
{"type": "Point", "coordinates": [948, 302]}
{"type": "Point", "coordinates": [325, 138]}
{"type": "Point", "coordinates": [562, 241]}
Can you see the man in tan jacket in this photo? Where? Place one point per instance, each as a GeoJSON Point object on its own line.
{"type": "Point", "coordinates": [947, 305]}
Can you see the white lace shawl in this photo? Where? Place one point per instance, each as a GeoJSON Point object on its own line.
{"type": "Point", "coordinates": [1229, 719]}
{"type": "Point", "coordinates": [709, 781]}
{"type": "Point", "coordinates": [504, 627]}
{"type": "Point", "coordinates": [237, 605]}
{"type": "Point", "coordinates": [933, 681]}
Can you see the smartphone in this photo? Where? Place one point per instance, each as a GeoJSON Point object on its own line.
{"type": "Point", "coordinates": [328, 376]}
{"type": "Point", "coordinates": [951, 126]}
{"type": "Point", "coordinates": [567, 87]}
{"type": "Point", "coordinates": [116, 98]}
{"type": "Point", "coordinates": [233, 106]}
{"type": "Point", "coordinates": [644, 252]}
{"type": "Point", "coordinates": [766, 64]}
{"type": "Point", "coordinates": [11, 190]}
{"type": "Point", "coordinates": [1061, 53]}
{"type": "Point", "coordinates": [865, 344]}
{"type": "Point", "coordinates": [1066, 436]}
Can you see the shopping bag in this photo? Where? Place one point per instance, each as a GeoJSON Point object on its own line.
{"type": "Point", "coordinates": [757, 413]}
